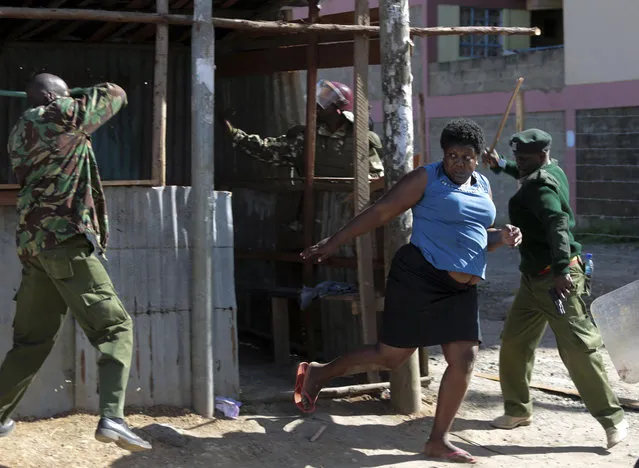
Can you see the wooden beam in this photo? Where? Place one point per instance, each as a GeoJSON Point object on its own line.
{"type": "Point", "coordinates": [260, 12]}
{"type": "Point", "coordinates": [292, 59]}
{"type": "Point", "coordinates": [74, 14]}
{"type": "Point", "coordinates": [330, 392]}
{"type": "Point", "coordinates": [273, 27]}
{"type": "Point", "coordinates": [8, 197]}
{"type": "Point", "coordinates": [255, 40]}
{"type": "Point", "coordinates": [361, 189]}
{"type": "Point", "coordinates": [160, 77]}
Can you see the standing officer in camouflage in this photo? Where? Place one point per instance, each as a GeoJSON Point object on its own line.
{"type": "Point", "coordinates": [334, 147]}
{"type": "Point", "coordinates": [550, 260]}
{"type": "Point", "coordinates": [62, 222]}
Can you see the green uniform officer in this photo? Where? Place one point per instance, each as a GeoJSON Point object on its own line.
{"type": "Point", "coordinates": [62, 222]}
{"type": "Point", "coordinates": [550, 259]}
{"type": "Point", "coordinates": [334, 140]}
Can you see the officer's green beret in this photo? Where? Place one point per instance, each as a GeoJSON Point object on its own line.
{"type": "Point", "coordinates": [532, 140]}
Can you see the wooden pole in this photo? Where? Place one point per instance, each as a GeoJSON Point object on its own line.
{"type": "Point", "coordinates": [202, 168]}
{"type": "Point", "coordinates": [364, 243]}
{"type": "Point", "coordinates": [398, 161]}
{"type": "Point", "coordinates": [309, 159]}
{"type": "Point", "coordinates": [158, 170]}
{"type": "Point", "coordinates": [423, 131]}
{"type": "Point", "coordinates": [332, 392]}
{"type": "Point", "coordinates": [274, 27]}
{"type": "Point", "coordinates": [423, 160]}
{"type": "Point", "coordinates": [74, 14]}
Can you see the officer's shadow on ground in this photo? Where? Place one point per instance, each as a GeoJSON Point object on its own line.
{"type": "Point", "coordinates": [283, 439]}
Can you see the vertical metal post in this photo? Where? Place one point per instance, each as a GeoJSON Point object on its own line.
{"type": "Point", "coordinates": [159, 96]}
{"type": "Point", "coordinates": [398, 160]}
{"type": "Point", "coordinates": [309, 160]}
{"type": "Point", "coordinates": [361, 188]}
{"type": "Point", "coordinates": [202, 168]}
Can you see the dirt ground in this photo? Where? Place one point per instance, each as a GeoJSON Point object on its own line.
{"type": "Point", "coordinates": [364, 431]}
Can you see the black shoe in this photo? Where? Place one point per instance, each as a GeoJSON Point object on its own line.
{"type": "Point", "coordinates": [7, 428]}
{"type": "Point", "coordinates": [115, 430]}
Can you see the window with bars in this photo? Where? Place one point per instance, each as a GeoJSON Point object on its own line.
{"type": "Point", "coordinates": [480, 45]}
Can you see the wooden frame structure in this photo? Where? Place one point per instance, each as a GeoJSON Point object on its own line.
{"type": "Point", "coordinates": [319, 45]}
{"type": "Point", "coordinates": [309, 45]}
{"type": "Point", "coordinates": [296, 46]}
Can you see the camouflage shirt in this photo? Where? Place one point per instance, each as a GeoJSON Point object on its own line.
{"type": "Point", "coordinates": [288, 149]}
{"type": "Point", "coordinates": [50, 151]}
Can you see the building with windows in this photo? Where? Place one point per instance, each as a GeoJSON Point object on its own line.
{"type": "Point", "coordinates": [581, 85]}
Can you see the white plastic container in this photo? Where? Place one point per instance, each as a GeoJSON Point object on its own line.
{"type": "Point", "coordinates": [617, 316]}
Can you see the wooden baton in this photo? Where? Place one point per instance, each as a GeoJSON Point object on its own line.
{"type": "Point", "coordinates": [505, 116]}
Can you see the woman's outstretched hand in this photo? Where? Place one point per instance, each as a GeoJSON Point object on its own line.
{"type": "Point", "coordinates": [511, 235]}
{"type": "Point", "coordinates": [320, 251]}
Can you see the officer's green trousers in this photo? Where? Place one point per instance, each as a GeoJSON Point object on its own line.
{"type": "Point", "coordinates": [67, 276]}
{"type": "Point", "coordinates": [578, 342]}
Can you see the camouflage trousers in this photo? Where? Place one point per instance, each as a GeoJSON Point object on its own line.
{"type": "Point", "coordinates": [578, 342]}
{"type": "Point", "coordinates": [67, 277]}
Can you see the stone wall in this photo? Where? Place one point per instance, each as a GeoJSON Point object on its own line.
{"type": "Point", "coordinates": [608, 169]}
{"type": "Point", "coordinates": [543, 70]}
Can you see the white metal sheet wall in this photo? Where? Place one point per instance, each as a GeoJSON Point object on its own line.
{"type": "Point", "coordinates": [149, 262]}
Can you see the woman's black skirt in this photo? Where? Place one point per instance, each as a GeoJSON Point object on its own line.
{"type": "Point", "coordinates": [425, 306]}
